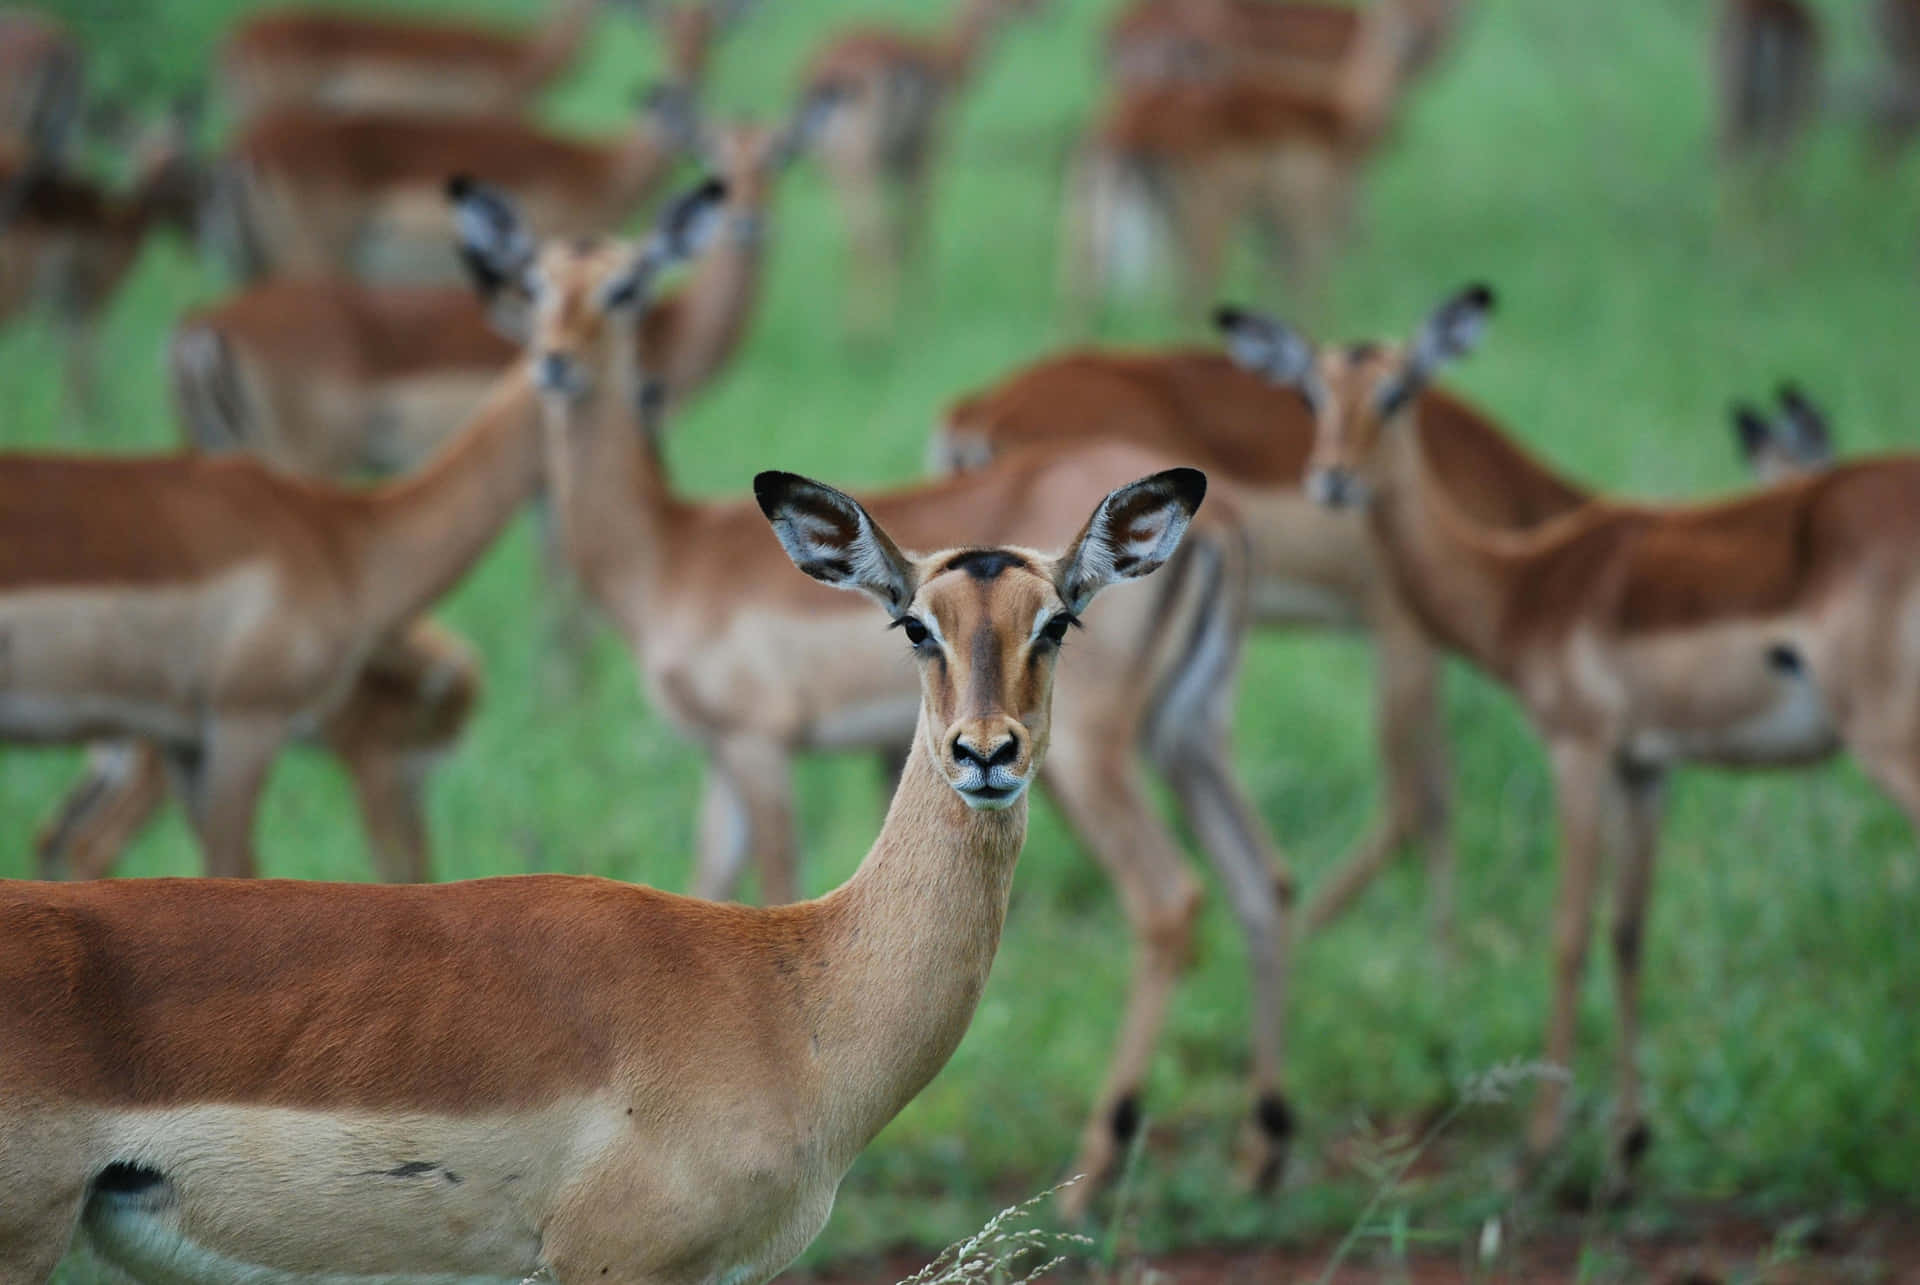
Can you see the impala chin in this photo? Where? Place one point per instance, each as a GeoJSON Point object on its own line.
{"type": "Point", "coordinates": [996, 792]}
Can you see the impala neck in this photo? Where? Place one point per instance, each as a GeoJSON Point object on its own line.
{"type": "Point", "coordinates": [557, 43]}
{"type": "Point", "coordinates": [706, 321]}
{"type": "Point", "coordinates": [424, 532]}
{"type": "Point", "coordinates": [617, 510]}
{"type": "Point", "coordinates": [966, 40]}
{"type": "Point", "coordinates": [1452, 571]}
{"type": "Point", "coordinates": [906, 945]}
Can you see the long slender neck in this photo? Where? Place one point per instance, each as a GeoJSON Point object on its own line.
{"type": "Point", "coordinates": [905, 948]}
{"type": "Point", "coordinates": [966, 40]}
{"type": "Point", "coordinates": [609, 487]}
{"type": "Point", "coordinates": [421, 534]}
{"type": "Point", "coordinates": [1439, 558]}
{"type": "Point", "coordinates": [555, 45]}
{"type": "Point", "coordinates": [702, 325]}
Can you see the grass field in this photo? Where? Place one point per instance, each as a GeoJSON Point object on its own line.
{"type": "Point", "coordinates": [1563, 154]}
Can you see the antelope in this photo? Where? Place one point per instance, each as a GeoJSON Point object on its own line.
{"type": "Point", "coordinates": [406, 711]}
{"type": "Point", "coordinates": [329, 60]}
{"type": "Point", "coordinates": [335, 379]}
{"type": "Point", "coordinates": [68, 244]}
{"type": "Point", "coordinates": [1793, 443]}
{"type": "Point", "coordinates": [1155, 40]}
{"type": "Point", "coordinates": [1767, 54]}
{"type": "Point", "coordinates": [894, 90]}
{"type": "Point", "coordinates": [1765, 630]}
{"type": "Point", "coordinates": [227, 605]}
{"type": "Point", "coordinates": [547, 1073]}
{"type": "Point", "coordinates": [326, 194]}
{"type": "Point", "coordinates": [758, 669]}
{"type": "Point", "coordinates": [1312, 567]}
{"type": "Point", "coordinates": [1200, 157]}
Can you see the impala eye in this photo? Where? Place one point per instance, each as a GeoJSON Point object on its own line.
{"type": "Point", "coordinates": [1055, 631]}
{"type": "Point", "coordinates": [917, 633]}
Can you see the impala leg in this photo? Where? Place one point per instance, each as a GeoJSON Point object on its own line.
{"type": "Point", "coordinates": [1413, 758]}
{"type": "Point", "coordinates": [390, 788]}
{"type": "Point", "coordinates": [747, 813]}
{"type": "Point", "coordinates": [872, 253]}
{"type": "Point", "coordinates": [1643, 794]}
{"type": "Point", "coordinates": [123, 785]}
{"type": "Point", "coordinates": [1099, 789]}
{"type": "Point", "coordinates": [1258, 884]}
{"type": "Point", "coordinates": [1205, 220]}
{"type": "Point", "coordinates": [1582, 773]}
{"type": "Point", "coordinates": [222, 785]}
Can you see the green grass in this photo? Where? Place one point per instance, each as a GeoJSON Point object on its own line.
{"type": "Point", "coordinates": [1562, 154]}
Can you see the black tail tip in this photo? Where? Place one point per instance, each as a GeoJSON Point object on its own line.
{"type": "Point", "coordinates": [459, 187]}
{"type": "Point", "coordinates": [1228, 317]}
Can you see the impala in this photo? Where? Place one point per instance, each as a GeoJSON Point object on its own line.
{"type": "Point", "coordinates": [334, 60]}
{"type": "Point", "coordinates": [1154, 40]}
{"type": "Point", "coordinates": [406, 710]}
{"type": "Point", "coordinates": [893, 90]}
{"type": "Point", "coordinates": [327, 193]}
{"type": "Point", "coordinates": [1200, 158]}
{"type": "Point", "coordinates": [220, 605]}
{"type": "Point", "coordinates": [759, 669]}
{"type": "Point", "coordinates": [68, 244]}
{"type": "Point", "coordinates": [1760, 631]}
{"type": "Point", "coordinates": [1767, 56]}
{"type": "Point", "coordinates": [1794, 442]}
{"type": "Point", "coordinates": [333, 378]}
{"type": "Point", "coordinates": [546, 1073]}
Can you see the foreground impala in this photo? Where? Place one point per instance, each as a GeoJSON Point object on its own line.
{"type": "Point", "coordinates": [759, 669]}
{"type": "Point", "coordinates": [1765, 630]}
{"type": "Point", "coordinates": [546, 1073]}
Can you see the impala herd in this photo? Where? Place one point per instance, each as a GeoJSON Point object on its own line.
{"type": "Point", "coordinates": [274, 1080]}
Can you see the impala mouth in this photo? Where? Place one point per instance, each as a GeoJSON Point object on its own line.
{"type": "Point", "coordinates": [990, 798]}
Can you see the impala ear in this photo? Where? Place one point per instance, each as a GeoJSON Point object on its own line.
{"type": "Point", "coordinates": [1809, 437]}
{"type": "Point", "coordinates": [1132, 532]}
{"type": "Point", "coordinates": [1265, 345]}
{"type": "Point", "coordinates": [1448, 335]}
{"type": "Point", "coordinates": [683, 230]}
{"type": "Point", "coordinates": [673, 108]}
{"type": "Point", "coordinates": [495, 243]}
{"type": "Point", "coordinates": [809, 118]}
{"type": "Point", "coordinates": [1753, 433]}
{"type": "Point", "coordinates": [833, 539]}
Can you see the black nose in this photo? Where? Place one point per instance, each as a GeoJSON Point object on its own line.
{"type": "Point", "coordinates": [553, 372]}
{"type": "Point", "coordinates": [1002, 756]}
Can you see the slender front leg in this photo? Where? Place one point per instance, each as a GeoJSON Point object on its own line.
{"type": "Point", "coordinates": [1096, 785]}
{"type": "Point", "coordinates": [1644, 796]}
{"type": "Point", "coordinates": [223, 786]}
{"type": "Point", "coordinates": [747, 813]}
{"type": "Point", "coordinates": [124, 784]}
{"type": "Point", "coordinates": [390, 788]}
{"type": "Point", "coordinates": [1582, 774]}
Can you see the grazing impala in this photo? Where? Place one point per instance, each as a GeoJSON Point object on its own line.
{"type": "Point", "coordinates": [893, 91]}
{"type": "Point", "coordinates": [324, 193]}
{"type": "Point", "coordinates": [1300, 43]}
{"type": "Point", "coordinates": [1764, 630]}
{"type": "Point", "coordinates": [405, 711]}
{"type": "Point", "coordinates": [546, 1074]}
{"type": "Point", "coordinates": [334, 378]}
{"type": "Point", "coordinates": [332, 60]}
{"type": "Point", "coordinates": [1200, 158]}
{"type": "Point", "coordinates": [67, 244]}
{"type": "Point", "coordinates": [227, 605]}
{"type": "Point", "coordinates": [1767, 56]}
{"type": "Point", "coordinates": [1793, 443]}
{"type": "Point", "coordinates": [758, 669]}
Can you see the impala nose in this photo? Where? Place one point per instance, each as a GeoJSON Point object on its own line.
{"type": "Point", "coordinates": [556, 373]}
{"type": "Point", "coordinates": [1335, 487]}
{"type": "Point", "coordinates": [983, 762]}
{"type": "Point", "coordinates": [968, 753]}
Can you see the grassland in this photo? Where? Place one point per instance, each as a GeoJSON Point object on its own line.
{"type": "Point", "coordinates": [1563, 154]}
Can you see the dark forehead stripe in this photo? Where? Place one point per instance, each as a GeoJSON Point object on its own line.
{"type": "Point", "coordinates": [985, 564]}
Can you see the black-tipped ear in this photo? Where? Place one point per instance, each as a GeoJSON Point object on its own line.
{"type": "Point", "coordinates": [1265, 345]}
{"type": "Point", "coordinates": [1811, 440]}
{"type": "Point", "coordinates": [833, 539]}
{"type": "Point", "coordinates": [690, 220]}
{"type": "Point", "coordinates": [1752, 432]}
{"type": "Point", "coordinates": [495, 243]}
{"type": "Point", "coordinates": [1131, 533]}
{"type": "Point", "coordinates": [1449, 333]}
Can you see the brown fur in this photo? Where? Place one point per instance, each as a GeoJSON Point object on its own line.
{"type": "Point", "coordinates": [1298, 43]}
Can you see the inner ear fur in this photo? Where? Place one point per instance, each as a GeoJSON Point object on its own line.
{"type": "Point", "coordinates": [831, 536]}
{"type": "Point", "coordinates": [1132, 532]}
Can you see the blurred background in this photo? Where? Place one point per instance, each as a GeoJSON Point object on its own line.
{"type": "Point", "coordinates": [1563, 151]}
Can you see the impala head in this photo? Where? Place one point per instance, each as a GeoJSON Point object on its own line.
{"type": "Point", "coordinates": [577, 295]}
{"type": "Point", "coordinates": [749, 156]}
{"type": "Point", "coordinates": [1358, 394]}
{"type": "Point", "coordinates": [985, 624]}
{"type": "Point", "coordinates": [1794, 442]}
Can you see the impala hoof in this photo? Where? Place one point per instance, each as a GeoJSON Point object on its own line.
{"type": "Point", "coordinates": [1265, 1140]}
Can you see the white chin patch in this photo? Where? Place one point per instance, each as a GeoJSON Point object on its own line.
{"type": "Point", "coordinates": [994, 801]}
